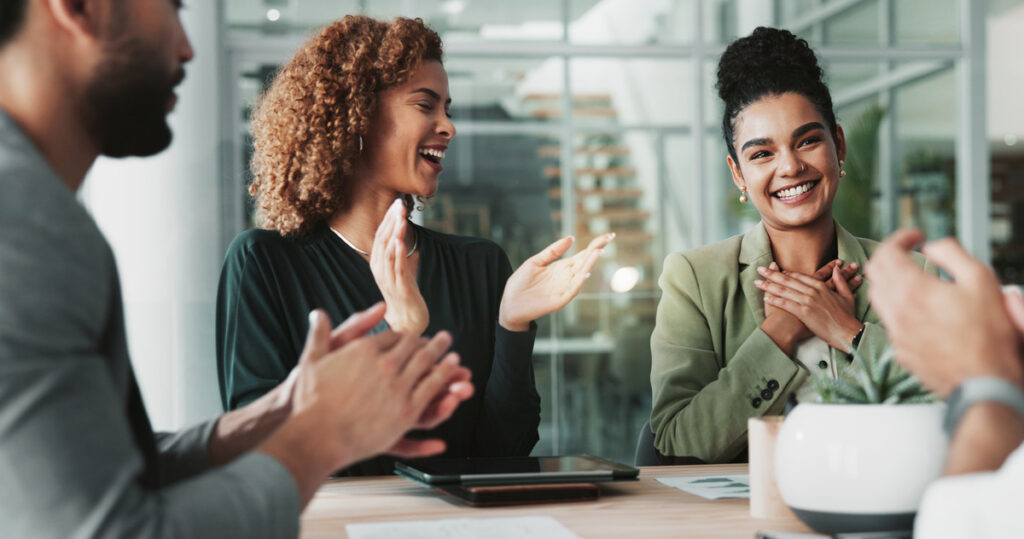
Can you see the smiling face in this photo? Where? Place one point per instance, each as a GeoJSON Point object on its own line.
{"type": "Point", "coordinates": [787, 160]}
{"type": "Point", "coordinates": [409, 133]}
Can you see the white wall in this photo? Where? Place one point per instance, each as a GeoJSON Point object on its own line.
{"type": "Point", "coordinates": [1005, 72]}
{"type": "Point", "coordinates": [161, 215]}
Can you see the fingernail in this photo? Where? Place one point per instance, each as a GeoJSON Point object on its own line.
{"type": "Point", "coordinates": [840, 261]}
{"type": "Point", "coordinates": [758, 282]}
{"type": "Point", "coordinates": [762, 270]}
{"type": "Point", "coordinates": [587, 276]}
{"type": "Point", "coordinates": [774, 266]}
{"type": "Point", "coordinates": [611, 236]}
{"type": "Point", "coordinates": [314, 318]}
{"type": "Point", "coordinates": [854, 265]}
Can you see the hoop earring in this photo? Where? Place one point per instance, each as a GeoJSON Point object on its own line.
{"type": "Point", "coordinates": [360, 144]}
{"type": "Point", "coordinates": [743, 195]}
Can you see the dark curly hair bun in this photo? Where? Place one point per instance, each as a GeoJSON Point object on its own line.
{"type": "Point", "coordinates": [768, 62]}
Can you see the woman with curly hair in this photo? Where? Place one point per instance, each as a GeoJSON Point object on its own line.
{"type": "Point", "coordinates": [352, 130]}
{"type": "Point", "coordinates": [742, 323]}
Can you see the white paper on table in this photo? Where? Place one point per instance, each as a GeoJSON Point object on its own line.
{"type": "Point", "coordinates": [712, 487]}
{"type": "Point", "coordinates": [540, 527]}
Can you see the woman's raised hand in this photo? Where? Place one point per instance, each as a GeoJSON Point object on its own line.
{"type": "Point", "coordinates": [545, 284]}
{"type": "Point", "coordinates": [826, 312]}
{"type": "Point", "coordinates": [396, 275]}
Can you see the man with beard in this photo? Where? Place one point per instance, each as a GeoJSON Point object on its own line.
{"type": "Point", "coordinates": [78, 457]}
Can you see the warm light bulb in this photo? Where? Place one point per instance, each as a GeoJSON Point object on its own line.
{"type": "Point", "coordinates": [273, 15]}
{"type": "Point", "coordinates": [624, 279]}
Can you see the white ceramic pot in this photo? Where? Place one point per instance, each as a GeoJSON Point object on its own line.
{"type": "Point", "coordinates": [859, 467]}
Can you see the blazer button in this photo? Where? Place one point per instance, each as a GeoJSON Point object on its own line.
{"type": "Point", "coordinates": [756, 403]}
{"type": "Point", "coordinates": [773, 385]}
{"type": "Point", "coordinates": [767, 394]}
{"type": "Point", "coordinates": [823, 364]}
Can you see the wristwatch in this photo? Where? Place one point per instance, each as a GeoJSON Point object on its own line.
{"type": "Point", "coordinates": [856, 338]}
{"type": "Point", "coordinates": [974, 390]}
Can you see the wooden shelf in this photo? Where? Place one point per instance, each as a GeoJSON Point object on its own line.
{"type": "Point", "coordinates": [613, 214]}
{"type": "Point", "coordinates": [624, 237]}
{"type": "Point", "coordinates": [590, 98]}
{"type": "Point", "coordinates": [639, 309]}
{"type": "Point", "coordinates": [626, 259]}
{"type": "Point", "coordinates": [555, 150]}
{"type": "Point", "coordinates": [623, 193]}
{"type": "Point", "coordinates": [621, 172]}
{"type": "Point", "coordinates": [595, 112]}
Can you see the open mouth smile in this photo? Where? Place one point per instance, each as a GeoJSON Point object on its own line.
{"type": "Point", "coordinates": [434, 155]}
{"type": "Point", "coordinates": [797, 192]}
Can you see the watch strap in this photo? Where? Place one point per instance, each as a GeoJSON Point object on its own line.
{"type": "Point", "coordinates": [856, 338]}
{"type": "Point", "coordinates": [980, 389]}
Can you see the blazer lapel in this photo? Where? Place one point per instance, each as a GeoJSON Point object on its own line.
{"type": "Point", "coordinates": [755, 250]}
{"type": "Point", "coordinates": [850, 250]}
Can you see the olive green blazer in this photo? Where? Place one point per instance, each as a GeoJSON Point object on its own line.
{"type": "Point", "coordinates": [712, 366]}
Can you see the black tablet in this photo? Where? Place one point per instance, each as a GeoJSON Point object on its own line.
{"type": "Point", "coordinates": [514, 470]}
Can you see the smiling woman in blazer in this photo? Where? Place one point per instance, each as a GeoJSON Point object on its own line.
{"type": "Point", "coordinates": [743, 322]}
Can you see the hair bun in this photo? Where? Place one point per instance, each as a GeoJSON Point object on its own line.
{"type": "Point", "coordinates": [767, 52]}
{"type": "Point", "coordinates": [770, 61]}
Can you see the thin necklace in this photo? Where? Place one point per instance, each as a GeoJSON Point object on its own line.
{"type": "Point", "coordinates": [415, 243]}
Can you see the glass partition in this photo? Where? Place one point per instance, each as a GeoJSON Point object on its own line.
{"type": "Point", "coordinates": [586, 116]}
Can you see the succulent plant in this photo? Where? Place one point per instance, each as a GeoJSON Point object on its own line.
{"type": "Point", "coordinates": [864, 381]}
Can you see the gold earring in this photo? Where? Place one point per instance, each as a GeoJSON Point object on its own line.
{"type": "Point", "coordinates": [743, 195]}
{"type": "Point", "coordinates": [842, 173]}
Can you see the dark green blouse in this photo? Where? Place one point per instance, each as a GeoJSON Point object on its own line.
{"type": "Point", "coordinates": [270, 283]}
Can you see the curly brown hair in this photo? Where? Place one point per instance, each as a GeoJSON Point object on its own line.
{"type": "Point", "coordinates": [306, 127]}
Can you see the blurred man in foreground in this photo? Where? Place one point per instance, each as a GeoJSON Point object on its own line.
{"type": "Point", "coordinates": [78, 456]}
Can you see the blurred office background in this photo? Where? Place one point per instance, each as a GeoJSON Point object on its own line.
{"type": "Point", "coordinates": [580, 117]}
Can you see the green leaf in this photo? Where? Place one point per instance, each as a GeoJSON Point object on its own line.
{"type": "Point", "coordinates": [836, 390]}
{"type": "Point", "coordinates": [917, 399]}
{"type": "Point", "coordinates": [867, 381]}
{"type": "Point", "coordinates": [908, 387]}
{"type": "Point", "coordinates": [867, 385]}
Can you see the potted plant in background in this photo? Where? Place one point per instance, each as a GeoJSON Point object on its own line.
{"type": "Point", "coordinates": [861, 458]}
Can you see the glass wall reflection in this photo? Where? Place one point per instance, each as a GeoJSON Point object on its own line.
{"type": "Point", "coordinates": [586, 116]}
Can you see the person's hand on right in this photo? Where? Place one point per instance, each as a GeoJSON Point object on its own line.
{"type": "Point", "coordinates": [395, 274]}
{"type": "Point", "coordinates": [945, 332]}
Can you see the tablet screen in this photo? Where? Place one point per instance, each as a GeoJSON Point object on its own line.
{"type": "Point", "coordinates": [515, 469]}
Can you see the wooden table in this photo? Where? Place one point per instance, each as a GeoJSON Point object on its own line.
{"type": "Point", "coordinates": [631, 509]}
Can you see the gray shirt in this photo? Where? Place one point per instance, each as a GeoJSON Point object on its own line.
{"type": "Point", "coordinates": [78, 457]}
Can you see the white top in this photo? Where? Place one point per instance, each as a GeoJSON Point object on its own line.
{"type": "Point", "coordinates": [811, 353]}
{"type": "Point", "coordinates": [981, 505]}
